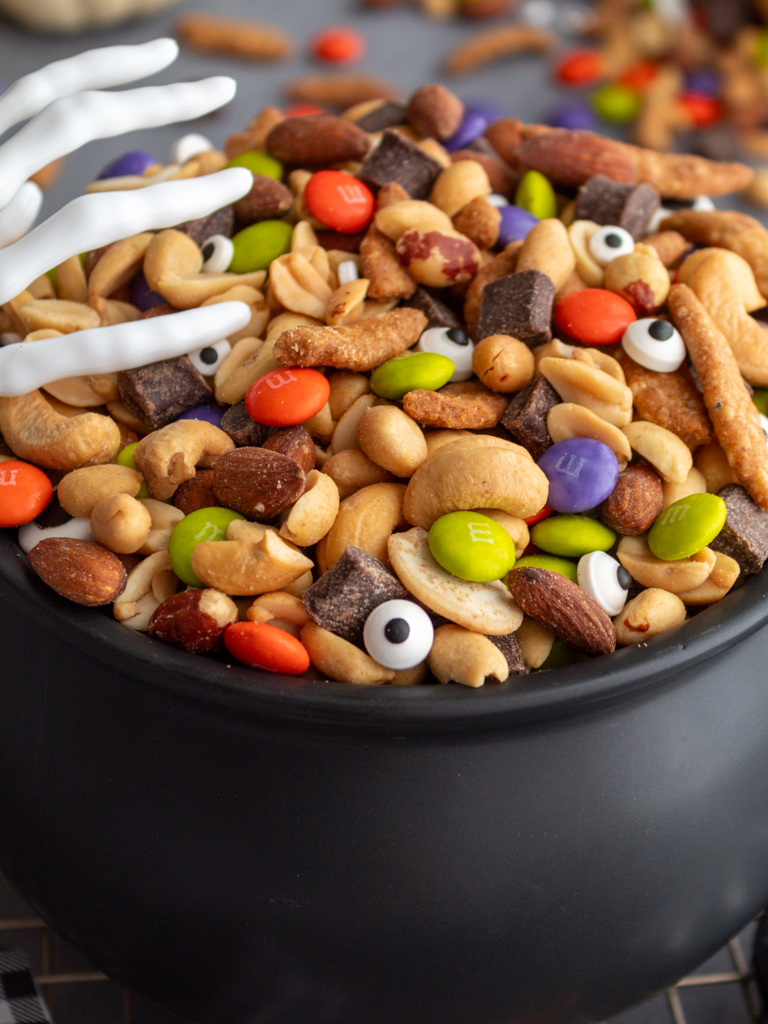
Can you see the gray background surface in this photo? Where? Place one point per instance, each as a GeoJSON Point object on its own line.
{"type": "Point", "coordinates": [406, 48]}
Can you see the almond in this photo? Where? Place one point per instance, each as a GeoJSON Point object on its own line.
{"type": "Point", "coordinates": [268, 199]}
{"type": "Point", "coordinates": [79, 570]}
{"type": "Point", "coordinates": [564, 608]}
{"type": "Point", "coordinates": [295, 443]}
{"type": "Point", "coordinates": [434, 111]}
{"type": "Point", "coordinates": [257, 483]}
{"type": "Point", "coordinates": [194, 620]}
{"type": "Point", "coordinates": [317, 140]}
{"type": "Point", "coordinates": [569, 157]}
{"type": "Point", "coordinates": [635, 501]}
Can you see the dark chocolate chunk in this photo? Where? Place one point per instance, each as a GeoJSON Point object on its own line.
{"type": "Point", "coordinates": [160, 392]}
{"type": "Point", "coordinates": [519, 304]}
{"type": "Point", "coordinates": [612, 202]}
{"type": "Point", "coordinates": [398, 159]}
{"type": "Point", "coordinates": [509, 648]}
{"type": "Point", "coordinates": [328, 238]}
{"type": "Point", "coordinates": [343, 598]}
{"type": "Point", "coordinates": [526, 415]}
{"type": "Point", "coordinates": [745, 534]}
{"type": "Point", "coordinates": [386, 115]}
{"type": "Point", "coordinates": [196, 493]}
{"type": "Point", "coordinates": [220, 222]}
{"type": "Point", "coordinates": [716, 142]}
{"type": "Point", "coordinates": [434, 309]}
{"type": "Point", "coordinates": [242, 428]}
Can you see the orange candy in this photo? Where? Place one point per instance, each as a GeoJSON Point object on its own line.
{"type": "Point", "coordinates": [639, 76]}
{"type": "Point", "coordinates": [339, 45]}
{"type": "Point", "coordinates": [538, 516]}
{"type": "Point", "coordinates": [700, 109]}
{"type": "Point", "coordinates": [594, 316]}
{"type": "Point", "coordinates": [339, 201]}
{"type": "Point", "coordinates": [25, 491]}
{"type": "Point", "coordinates": [283, 398]}
{"type": "Point", "coordinates": [303, 110]}
{"type": "Point", "coordinates": [580, 67]}
{"type": "Point", "coordinates": [263, 646]}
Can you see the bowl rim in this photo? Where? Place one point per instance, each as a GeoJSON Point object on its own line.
{"type": "Point", "coordinates": [557, 693]}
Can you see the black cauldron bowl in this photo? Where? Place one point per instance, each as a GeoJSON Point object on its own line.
{"type": "Point", "coordinates": [245, 848]}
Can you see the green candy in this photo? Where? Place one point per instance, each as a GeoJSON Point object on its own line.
{"type": "Point", "coordinates": [760, 399]}
{"type": "Point", "coordinates": [202, 525]}
{"type": "Point", "coordinates": [572, 536]}
{"type": "Point", "coordinates": [617, 104]}
{"type": "Point", "coordinates": [257, 245]}
{"type": "Point", "coordinates": [258, 163]}
{"type": "Point", "coordinates": [411, 370]}
{"type": "Point", "coordinates": [472, 546]}
{"type": "Point", "coordinates": [125, 458]}
{"type": "Point", "coordinates": [686, 526]}
{"type": "Point", "coordinates": [564, 566]}
{"type": "Point", "coordinates": [560, 655]}
{"type": "Point", "coordinates": [536, 195]}
{"type": "Point", "coordinates": [760, 55]}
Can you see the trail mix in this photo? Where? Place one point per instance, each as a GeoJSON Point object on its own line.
{"type": "Point", "coordinates": [460, 437]}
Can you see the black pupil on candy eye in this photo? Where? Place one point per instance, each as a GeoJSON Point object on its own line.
{"type": "Point", "coordinates": [614, 241]}
{"type": "Point", "coordinates": [457, 336]}
{"type": "Point", "coordinates": [208, 250]}
{"type": "Point", "coordinates": [208, 356]}
{"type": "Point", "coordinates": [397, 631]}
{"type": "Point", "coordinates": [661, 330]}
{"type": "Point", "coordinates": [624, 578]}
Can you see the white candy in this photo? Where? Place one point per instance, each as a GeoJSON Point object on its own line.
{"type": "Point", "coordinates": [610, 241]}
{"type": "Point", "coordinates": [188, 146]}
{"type": "Point", "coordinates": [218, 251]}
{"type": "Point", "coordinates": [94, 69]}
{"type": "Point", "coordinates": [599, 574]}
{"type": "Point", "coordinates": [91, 221]}
{"type": "Point", "coordinates": [32, 364]}
{"type": "Point", "coordinates": [664, 354]}
{"type": "Point", "coordinates": [70, 122]}
{"type": "Point", "coordinates": [439, 340]}
{"type": "Point", "coordinates": [398, 634]}
{"type": "Point", "coordinates": [208, 359]}
{"type": "Point", "coordinates": [20, 213]}
{"type": "Point", "coordinates": [347, 272]}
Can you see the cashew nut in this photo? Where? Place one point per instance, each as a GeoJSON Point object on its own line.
{"type": "Point", "coordinates": [676, 576]}
{"type": "Point", "coordinates": [147, 586]}
{"type": "Point", "coordinates": [726, 285]}
{"type": "Point", "coordinates": [366, 519]}
{"type": "Point", "coordinates": [669, 456]}
{"type": "Point", "coordinates": [81, 490]}
{"type": "Point", "coordinates": [694, 483]}
{"type": "Point", "coordinates": [120, 523]}
{"type": "Point", "coordinates": [314, 513]}
{"type": "Point", "coordinates": [650, 613]}
{"type": "Point", "coordinates": [338, 659]}
{"type": "Point", "coordinates": [252, 560]}
{"type": "Point", "coordinates": [33, 430]}
{"type": "Point", "coordinates": [173, 267]}
{"type": "Point", "coordinates": [164, 518]}
{"type": "Point", "coordinates": [462, 475]}
{"type": "Point", "coordinates": [460, 656]}
{"type": "Point", "coordinates": [169, 456]}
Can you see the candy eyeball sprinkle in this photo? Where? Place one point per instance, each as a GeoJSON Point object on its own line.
{"type": "Point", "coordinates": [398, 634]}
{"type": "Point", "coordinates": [703, 203]}
{"type": "Point", "coordinates": [347, 272]}
{"type": "Point", "coordinates": [188, 146]}
{"type": "Point", "coordinates": [654, 344]}
{"type": "Point", "coordinates": [605, 580]}
{"type": "Point", "coordinates": [53, 521]}
{"type": "Point", "coordinates": [609, 242]}
{"type": "Point", "coordinates": [764, 425]}
{"type": "Point", "coordinates": [217, 251]}
{"type": "Point", "coordinates": [451, 342]}
{"type": "Point", "coordinates": [497, 200]}
{"type": "Point", "coordinates": [207, 360]}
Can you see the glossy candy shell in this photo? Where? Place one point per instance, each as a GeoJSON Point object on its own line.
{"type": "Point", "coordinates": [284, 398]}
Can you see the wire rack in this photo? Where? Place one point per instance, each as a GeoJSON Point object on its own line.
{"type": "Point", "coordinates": [722, 991]}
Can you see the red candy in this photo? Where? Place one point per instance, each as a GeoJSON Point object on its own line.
{"type": "Point", "coordinates": [283, 398]}
{"type": "Point", "coordinates": [594, 316]}
{"type": "Point", "coordinates": [25, 491]}
{"type": "Point", "coordinates": [339, 201]}
{"type": "Point", "coordinates": [339, 45]}
{"type": "Point", "coordinates": [263, 646]}
{"type": "Point", "coordinates": [702, 110]}
{"type": "Point", "coordinates": [580, 67]}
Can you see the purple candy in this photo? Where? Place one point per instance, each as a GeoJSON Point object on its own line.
{"type": "Point", "coordinates": [575, 116]}
{"type": "Point", "coordinates": [135, 162]}
{"type": "Point", "coordinates": [515, 224]}
{"type": "Point", "coordinates": [703, 80]}
{"type": "Point", "coordinates": [491, 110]}
{"type": "Point", "coordinates": [211, 413]}
{"type": "Point", "coordinates": [582, 472]}
{"type": "Point", "coordinates": [472, 127]}
{"type": "Point", "coordinates": [142, 295]}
